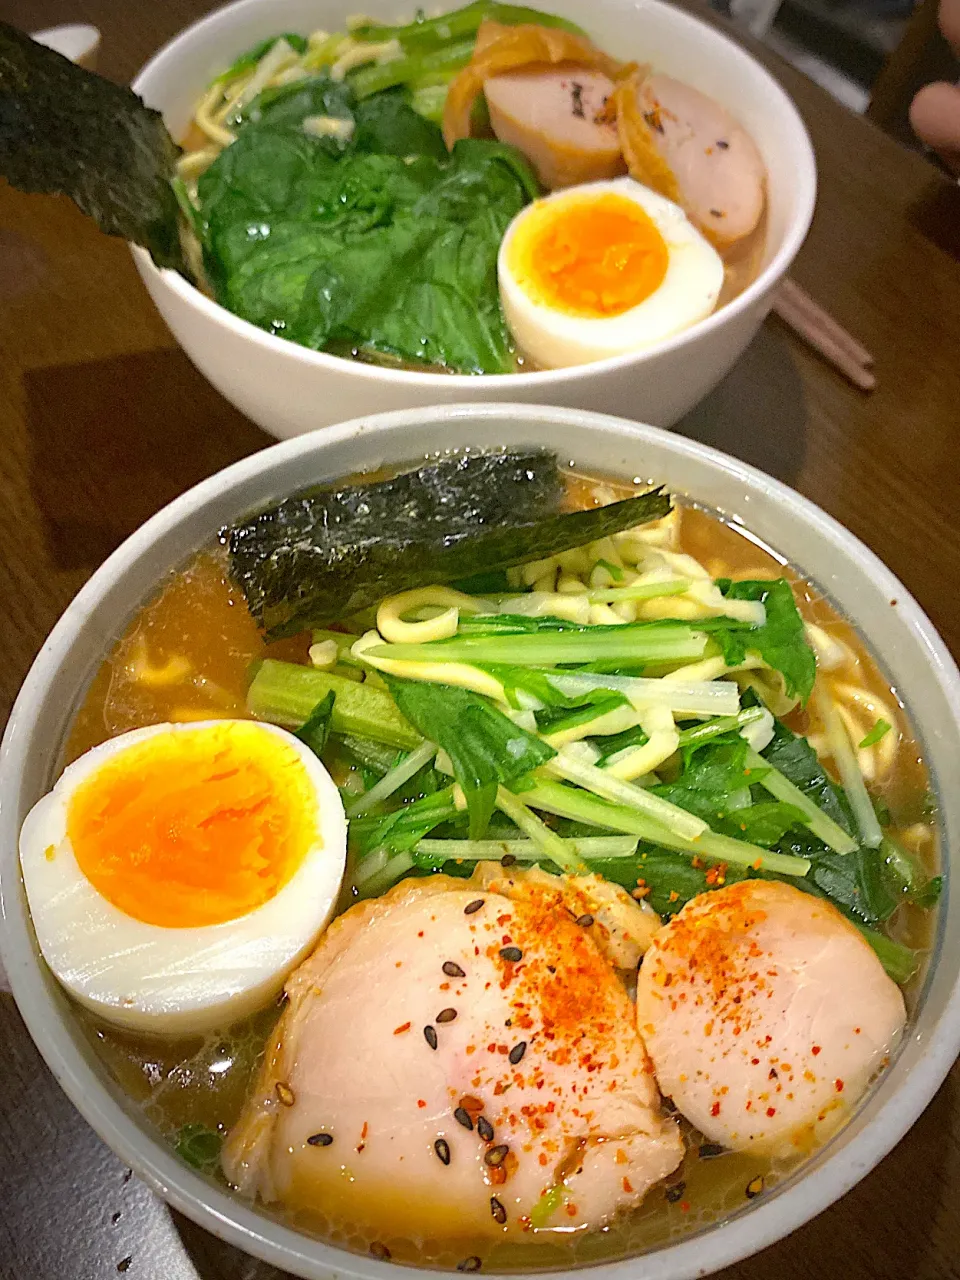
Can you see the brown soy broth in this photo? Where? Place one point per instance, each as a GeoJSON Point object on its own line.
{"type": "Point", "coordinates": [186, 655]}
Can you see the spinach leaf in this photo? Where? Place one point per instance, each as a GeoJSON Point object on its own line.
{"type": "Point", "coordinates": [764, 823]}
{"type": "Point", "coordinates": [66, 131]}
{"type": "Point", "coordinates": [484, 746]}
{"type": "Point", "coordinates": [315, 730]}
{"type": "Point", "coordinates": [798, 762]}
{"type": "Point", "coordinates": [781, 641]}
{"type": "Point", "coordinates": [384, 244]}
{"type": "Point", "coordinates": [386, 123]}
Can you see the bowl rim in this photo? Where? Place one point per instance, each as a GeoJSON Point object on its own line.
{"type": "Point", "coordinates": [229, 1217]}
{"type": "Point", "coordinates": [756, 291]}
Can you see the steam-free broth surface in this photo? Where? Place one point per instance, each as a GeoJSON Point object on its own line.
{"type": "Point", "coordinates": [187, 655]}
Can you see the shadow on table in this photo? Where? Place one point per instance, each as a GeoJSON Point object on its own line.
{"type": "Point", "coordinates": [758, 412]}
{"type": "Point", "coordinates": [113, 440]}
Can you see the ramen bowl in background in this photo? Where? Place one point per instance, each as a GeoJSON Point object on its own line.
{"type": "Point", "coordinates": [909, 651]}
{"type": "Point", "coordinates": [288, 389]}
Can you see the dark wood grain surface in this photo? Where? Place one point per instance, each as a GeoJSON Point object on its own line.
{"type": "Point", "coordinates": [103, 420]}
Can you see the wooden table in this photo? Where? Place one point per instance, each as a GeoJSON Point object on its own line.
{"type": "Point", "coordinates": [102, 420]}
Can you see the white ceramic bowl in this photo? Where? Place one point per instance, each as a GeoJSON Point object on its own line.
{"type": "Point", "coordinates": [901, 637]}
{"type": "Point", "coordinates": [287, 389]}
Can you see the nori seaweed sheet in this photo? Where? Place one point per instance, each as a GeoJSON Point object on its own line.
{"type": "Point", "coordinates": [325, 554]}
{"type": "Point", "coordinates": [67, 131]}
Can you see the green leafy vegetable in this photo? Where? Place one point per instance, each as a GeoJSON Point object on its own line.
{"type": "Point", "coordinates": [401, 830]}
{"type": "Point", "coordinates": [323, 555]}
{"type": "Point", "coordinates": [315, 730]}
{"type": "Point", "coordinates": [382, 244]}
{"type": "Point", "coordinates": [199, 1146]}
{"type": "Point", "coordinates": [433, 33]}
{"type": "Point", "coordinates": [67, 131]}
{"type": "Point", "coordinates": [794, 757]}
{"type": "Point", "coordinates": [485, 747]}
{"type": "Point", "coordinates": [781, 641]}
{"type": "Point", "coordinates": [879, 730]}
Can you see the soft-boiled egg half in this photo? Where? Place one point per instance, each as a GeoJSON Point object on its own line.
{"type": "Point", "coordinates": [602, 269]}
{"type": "Point", "coordinates": [176, 874]}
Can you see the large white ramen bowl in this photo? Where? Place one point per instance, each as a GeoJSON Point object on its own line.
{"type": "Point", "coordinates": [287, 389]}
{"type": "Point", "coordinates": [901, 637]}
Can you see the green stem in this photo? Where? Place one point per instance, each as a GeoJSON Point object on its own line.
{"type": "Point", "coordinates": [700, 733]}
{"type": "Point", "coordinates": [285, 693]}
{"type": "Point", "coordinates": [639, 591]}
{"type": "Point", "coordinates": [391, 781]}
{"type": "Point", "coordinates": [419, 69]}
{"type": "Point", "coordinates": [584, 847]}
{"type": "Point", "coordinates": [570, 802]}
{"type": "Point", "coordinates": [781, 788]}
{"type": "Point", "coordinates": [631, 642]}
{"type": "Point", "coordinates": [548, 841]}
{"type": "Point", "coordinates": [435, 32]}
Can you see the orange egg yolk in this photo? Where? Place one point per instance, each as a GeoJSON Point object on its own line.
{"type": "Point", "coordinates": [195, 826]}
{"type": "Point", "coordinates": [590, 256]}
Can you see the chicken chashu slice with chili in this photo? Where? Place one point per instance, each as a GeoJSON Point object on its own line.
{"type": "Point", "coordinates": [459, 1060]}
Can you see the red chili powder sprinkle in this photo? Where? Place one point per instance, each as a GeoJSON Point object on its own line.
{"type": "Point", "coordinates": [838, 1085]}
{"type": "Point", "coordinates": [815, 1050]}
{"type": "Point", "coordinates": [404, 1026]}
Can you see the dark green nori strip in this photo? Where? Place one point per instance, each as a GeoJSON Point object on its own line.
{"type": "Point", "coordinates": [325, 554]}
{"type": "Point", "coordinates": [67, 131]}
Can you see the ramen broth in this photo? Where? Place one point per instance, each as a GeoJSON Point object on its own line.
{"type": "Point", "coordinates": [186, 656]}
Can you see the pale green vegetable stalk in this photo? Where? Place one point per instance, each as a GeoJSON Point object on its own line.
{"type": "Point", "coordinates": [698, 698]}
{"type": "Point", "coordinates": [841, 748]}
{"type": "Point", "coordinates": [378, 880]}
{"type": "Point", "coordinates": [391, 781]}
{"type": "Point", "coordinates": [625, 642]}
{"type": "Point", "coordinates": [585, 847]}
{"type": "Point", "coordinates": [568, 802]}
{"type": "Point", "coordinates": [781, 788]}
{"type": "Point", "coordinates": [602, 783]}
{"type": "Point", "coordinates": [700, 733]}
{"type": "Point", "coordinates": [541, 835]}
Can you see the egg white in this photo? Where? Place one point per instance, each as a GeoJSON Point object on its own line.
{"type": "Point", "coordinates": [687, 293]}
{"type": "Point", "coordinates": [174, 981]}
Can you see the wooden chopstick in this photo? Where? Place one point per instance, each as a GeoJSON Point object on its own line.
{"type": "Point", "coordinates": [819, 329]}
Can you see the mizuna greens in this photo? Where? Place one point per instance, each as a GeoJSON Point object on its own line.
{"type": "Point", "coordinates": [541, 723]}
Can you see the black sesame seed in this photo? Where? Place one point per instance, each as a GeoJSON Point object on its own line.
{"type": "Point", "coordinates": [452, 969]}
{"type": "Point", "coordinates": [115, 1218]}
{"type": "Point", "coordinates": [320, 1140]}
{"type": "Point", "coordinates": [517, 1052]}
{"type": "Point", "coordinates": [497, 1209]}
{"type": "Point", "coordinates": [430, 1035]}
{"type": "Point", "coordinates": [442, 1148]}
{"type": "Point", "coordinates": [508, 860]}
{"type": "Point", "coordinates": [511, 953]}
{"type": "Point", "coordinates": [463, 1117]}
{"type": "Point", "coordinates": [124, 1264]}
{"type": "Point", "coordinates": [716, 213]}
{"type": "Point", "coordinates": [496, 1155]}
{"type": "Point", "coordinates": [446, 1015]}
{"type": "Point", "coordinates": [707, 1150]}
{"type": "Point", "coordinates": [722, 144]}
{"type": "Point", "coordinates": [473, 906]}
{"type": "Point", "coordinates": [378, 1250]}
{"type": "Point", "coordinates": [472, 1263]}
{"type": "Point", "coordinates": [584, 921]}
{"type": "Point", "coordinates": [675, 1192]}
{"type": "Point", "coordinates": [485, 1128]}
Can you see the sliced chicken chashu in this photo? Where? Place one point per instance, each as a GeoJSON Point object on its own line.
{"type": "Point", "coordinates": [457, 1060]}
